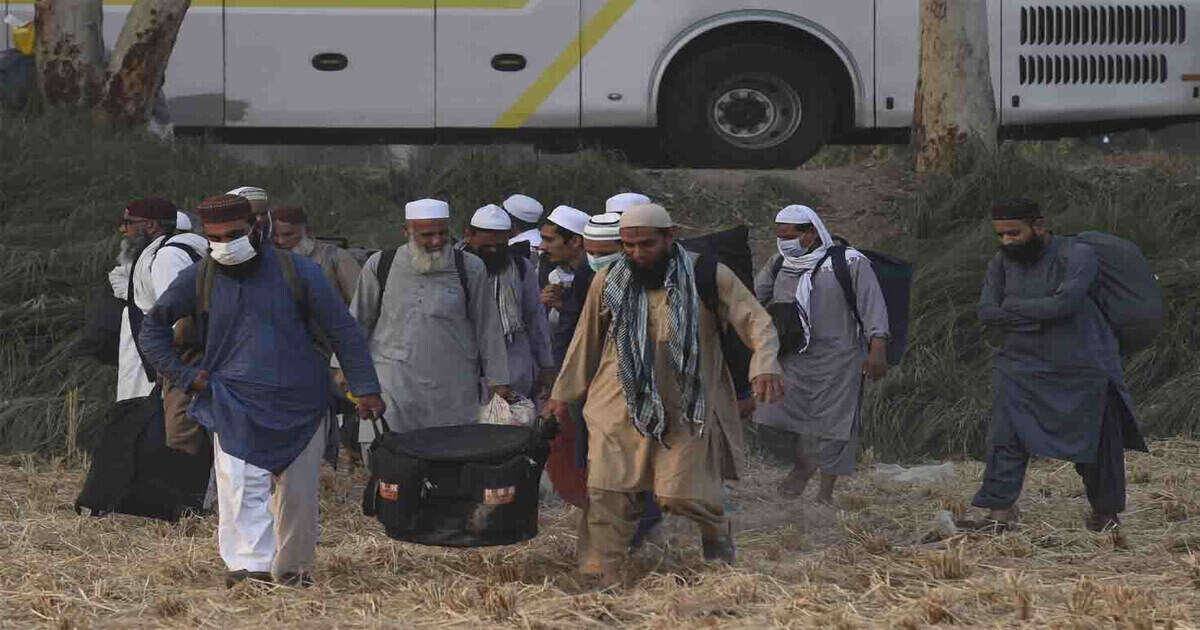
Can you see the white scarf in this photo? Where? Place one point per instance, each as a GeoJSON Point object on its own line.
{"type": "Point", "coordinates": [805, 264]}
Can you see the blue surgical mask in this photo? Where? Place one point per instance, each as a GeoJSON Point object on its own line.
{"type": "Point", "coordinates": [599, 262]}
{"type": "Point", "coordinates": [790, 248]}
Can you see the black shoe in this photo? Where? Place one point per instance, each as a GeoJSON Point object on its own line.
{"type": "Point", "coordinates": [241, 575]}
{"type": "Point", "coordinates": [720, 550]}
{"type": "Point", "coordinates": [302, 579]}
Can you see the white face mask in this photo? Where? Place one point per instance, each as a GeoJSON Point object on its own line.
{"type": "Point", "coordinates": [790, 248]}
{"type": "Point", "coordinates": [599, 262]}
{"type": "Point", "coordinates": [234, 252]}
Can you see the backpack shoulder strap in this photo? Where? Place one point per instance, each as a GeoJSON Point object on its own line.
{"type": "Point", "coordinates": [706, 281]}
{"type": "Point", "coordinates": [841, 271]}
{"type": "Point", "coordinates": [191, 253]}
{"type": "Point", "coordinates": [301, 295]}
{"type": "Point", "coordinates": [519, 261]}
{"type": "Point", "coordinates": [460, 266]}
{"type": "Point", "coordinates": [776, 267]}
{"type": "Point", "coordinates": [382, 271]}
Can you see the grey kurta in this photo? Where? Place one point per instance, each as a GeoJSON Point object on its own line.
{"type": "Point", "coordinates": [427, 347]}
{"type": "Point", "coordinates": [823, 385]}
{"type": "Point", "coordinates": [528, 350]}
{"type": "Point", "coordinates": [1052, 373]}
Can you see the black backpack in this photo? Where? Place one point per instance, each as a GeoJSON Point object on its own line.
{"type": "Point", "coordinates": [100, 337]}
{"type": "Point", "coordinates": [731, 248]}
{"type": "Point", "coordinates": [472, 485]}
{"type": "Point", "coordinates": [134, 472]}
{"type": "Point", "coordinates": [895, 282]}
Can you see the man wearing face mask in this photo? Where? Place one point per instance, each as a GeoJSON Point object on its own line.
{"type": "Point", "coordinates": [261, 387]}
{"type": "Point", "coordinates": [153, 252]}
{"type": "Point", "coordinates": [433, 327]}
{"type": "Point", "coordinates": [512, 285]}
{"type": "Point", "coordinates": [1058, 387]}
{"type": "Point", "coordinates": [660, 406]}
{"type": "Point", "coordinates": [826, 357]}
{"type": "Point", "coordinates": [292, 233]}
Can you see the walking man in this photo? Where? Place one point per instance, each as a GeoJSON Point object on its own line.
{"type": "Point", "coordinates": [567, 284]}
{"type": "Point", "coordinates": [293, 234]}
{"type": "Point", "coordinates": [1058, 386]}
{"type": "Point", "coordinates": [261, 387]}
{"type": "Point", "coordinates": [660, 410]}
{"type": "Point", "coordinates": [512, 285]}
{"type": "Point", "coordinates": [432, 325]}
{"type": "Point", "coordinates": [827, 356]}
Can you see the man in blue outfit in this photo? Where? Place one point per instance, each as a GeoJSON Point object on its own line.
{"type": "Point", "coordinates": [1058, 386]}
{"type": "Point", "coordinates": [262, 387]}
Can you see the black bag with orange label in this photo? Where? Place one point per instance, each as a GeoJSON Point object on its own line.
{"type": "Point", "coordinates": [473, 485]}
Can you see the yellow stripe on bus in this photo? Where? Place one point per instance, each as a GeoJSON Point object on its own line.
{"type": "Point", "coordinates": [568, 60]}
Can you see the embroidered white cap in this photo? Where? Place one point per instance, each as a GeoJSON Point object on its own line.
{"type": "Point", "coordinates": [249, 193]}
{"type": "Point", "coordinates": [491, 217]}
{"type": "Point", "coordinates": [524, 208]}
{"type": "Point", "coordinates": [623, 201]}
{"type": "Point", "coordinates": [426, 209]}
{"type": "Point", "coordinates": [569, 218]}
{"type": "Point", "coordinates": [603, 227]}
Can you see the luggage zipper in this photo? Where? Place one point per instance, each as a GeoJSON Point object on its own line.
{"type": "Point", "coordinates": [426, 486]}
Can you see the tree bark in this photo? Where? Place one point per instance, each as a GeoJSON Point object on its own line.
{"type": "Point", "coordinates": [955, 109]}
{"type": "Point", "coordinates": [139, 62]}
{"type": "Point", "coordinates": [69, 49]}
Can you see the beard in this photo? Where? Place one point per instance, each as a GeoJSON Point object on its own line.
{"type": "Point", "coordinates": [426, 262]}
{"type": "Point", "coordinates": [1025, 253]}
{"type": "Point", "coordinates": [496, 262]}
{"type": "Point", "coordinates": [652, 277]}
{"type": "Point", "coordinates": [130, 247]}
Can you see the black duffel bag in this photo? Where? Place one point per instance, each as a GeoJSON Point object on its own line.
{"type": "Point", "coordinates": [472, 485]}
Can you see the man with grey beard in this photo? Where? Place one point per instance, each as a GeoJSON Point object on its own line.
{"type": "Point", "coordinates": [432, 325]}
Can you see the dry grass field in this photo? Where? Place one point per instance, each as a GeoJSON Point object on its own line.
{"type": "Point", "coordinates": [873, 561]}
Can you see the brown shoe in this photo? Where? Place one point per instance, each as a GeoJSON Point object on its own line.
{"type": "Point", "coordinates": [233, 578]}
{"type": "Point", "coordinates": [1097, 522]}
{"type": "Point", "coordinates": [1003, 519]}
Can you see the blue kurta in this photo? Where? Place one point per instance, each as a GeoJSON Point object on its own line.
{"type": "Point", "coordinates": [1059, 357]}
{"type": "Point", "coordinates": [268, 386]}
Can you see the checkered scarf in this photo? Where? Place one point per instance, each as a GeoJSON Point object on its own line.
{"type": "Point", "coordinates": [628, 306]}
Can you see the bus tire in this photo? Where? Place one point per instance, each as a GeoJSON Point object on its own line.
{"type": "Point", "coordinates": [747, 106]}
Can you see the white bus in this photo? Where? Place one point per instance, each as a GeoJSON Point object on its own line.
{"type": "Point", "coordinates": [737, 83]}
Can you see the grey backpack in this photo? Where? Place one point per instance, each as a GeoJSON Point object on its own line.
{"type": "Point", "coordinates": [1126, 289]}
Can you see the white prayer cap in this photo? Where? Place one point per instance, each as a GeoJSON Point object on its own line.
{"type": "Point", "coordinates": [182, 222]}
{"type": "Point", "coordinates": [426, 209]}
{"type": "Point", "coordinates": [649, 215]}
{"type": "Point", "coordinates": [524, 208]}
{"type": "Point", "coordinates": [622, 202]}
{"type": "Point", "coordinates": [249, 193]}
{"type": "Point", "coordinates": [569, 218]}
{"type": "Point", "coordinates": [603, 227]}
{"type": "Point", "coordinates": [796, 215]}
{"type": "Point", "coordinates": [491, 217]}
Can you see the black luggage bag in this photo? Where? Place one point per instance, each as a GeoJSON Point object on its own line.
{"type": "Point", "coordinates": [473, 485]}
{"type": "Point", "coordinates": [134, 471]}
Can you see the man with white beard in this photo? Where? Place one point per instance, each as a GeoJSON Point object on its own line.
{"type": "Point", "coordinates": [432, 325]}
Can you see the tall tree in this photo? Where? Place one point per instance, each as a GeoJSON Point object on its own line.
{"type": "Point", "coordinates": [955, 109]}
{"type": "Point", "coordinates": [72, 66]}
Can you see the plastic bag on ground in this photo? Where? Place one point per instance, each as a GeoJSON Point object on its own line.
{"type": "Point", "coordinates": [931, 473]}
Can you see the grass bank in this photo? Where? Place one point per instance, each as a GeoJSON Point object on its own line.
{"type": "Point", "coordinates": [63, 184]}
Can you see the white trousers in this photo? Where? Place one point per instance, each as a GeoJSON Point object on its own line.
{"type": "Point", "coordinates": [260, 530]}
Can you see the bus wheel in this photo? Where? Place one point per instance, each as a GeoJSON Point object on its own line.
{"type": "Point", "coordinates": [747, 106]}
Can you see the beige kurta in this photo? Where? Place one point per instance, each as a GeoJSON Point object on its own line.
{"type": "Point", "coordinates": [693, 462]}
{"type": "Point", "coordinates": [339, 266]}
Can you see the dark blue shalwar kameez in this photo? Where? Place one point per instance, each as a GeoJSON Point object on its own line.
{"type": "Point", "coordinates": [1058, 387]}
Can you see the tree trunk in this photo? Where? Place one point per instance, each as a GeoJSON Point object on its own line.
{"type": "Point", "coordinates": [69, 50]}
{"type": "Point", "coordinates": [139, 61]}
{"type": "Point", "coordinates": [955, 109]}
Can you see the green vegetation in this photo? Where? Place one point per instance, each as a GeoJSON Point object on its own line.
{"type": "Point", "coordinates": [63, 184]}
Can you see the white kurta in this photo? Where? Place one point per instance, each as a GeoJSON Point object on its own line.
{"type": "Point", "coordinates": [427, 345]}
{"type": "Point", "coordinates": [153, 272]}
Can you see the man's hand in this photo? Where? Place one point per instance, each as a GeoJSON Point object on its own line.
{"type": "Point", "coordinates": [200, 383]}
{"type": "Point", "coordinates": [546, 378]}
{"type": "Point", "coordinates": [552, 296]}
{"type": "Point", "coordinates": [339, 378]}
{"type": "Point", "coordinates": [767, 388]}
{"type": "Point", "coordinates": [370, 407]}
{"type": "Point", "coordinates": [746, 407]}
{"type": "Point", "coordinates": [503, 391]}
{"type": "Point", "coordinates": [556, 408]}
{"type": "Point", "coordinates": [876, 365]}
